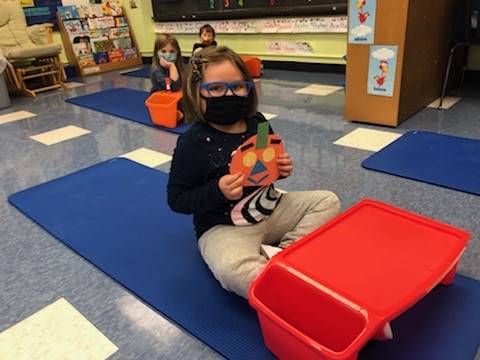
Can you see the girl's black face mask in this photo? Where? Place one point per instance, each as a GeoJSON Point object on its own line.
{"type": "Point", "coordinates": [227, 109]}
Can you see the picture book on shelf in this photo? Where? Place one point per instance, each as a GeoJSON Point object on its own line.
{"type": "Point", "coordinates": [67, 12]}
{"type": "Point", "coordinates": [112, 7]}
{"type": "Point", "coordinates": [86, 61]}
{"type": "Point", "coordinates": [100, 33]}
{"type": "Point", "coordinates": [123, 43]}
{"type": "Point", "coordinates": [115, 55]}
{"type": "Point", "coordinates": [121, 21]}
{"type": "Point", "coordinates": [76, 28]}
{"type": "Point", "coordinates": [81, 49]}
{"type": "Point", "coordinates": [100, 45]}
{"type": "Point", "coordinates": [95, 11]}
{"type": "Point", "coordinates": [82, 11]}
{"type": "Point", "coordinates": [101, 57]}
{"type": "Point", "coordinates": [120, 32]}
{"type": "Point", "coordinates": [130, 53]}
{"type": "Point", "coordinates": [82, 40]}
{"type": "Point", "coordinates": [105, 22]}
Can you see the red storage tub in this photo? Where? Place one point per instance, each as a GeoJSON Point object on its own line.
{"type": "Point", "coordinates": [162, 106]}
{"type": "Point", "coordinates": [329, 293]}
{"type": "Point", "coordinates": [254, 65]}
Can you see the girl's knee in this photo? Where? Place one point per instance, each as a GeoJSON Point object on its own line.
{"type": "Point", "coordinates": [332, 199]}
{"type": "Point", "coordinates": [325, 199]}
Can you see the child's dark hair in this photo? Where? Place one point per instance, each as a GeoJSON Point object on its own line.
{"type": "Point", "coordinates": [207, 28]}
{"type": "Point", "coordinates": [194, 74]}
{"type": "Point", "coordinates": [163, 40]}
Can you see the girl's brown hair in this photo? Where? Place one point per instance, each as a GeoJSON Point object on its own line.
{"type": "Point", "coordinates": [193, 79]}
{"type": "Point", "coordinates": [163, 40]}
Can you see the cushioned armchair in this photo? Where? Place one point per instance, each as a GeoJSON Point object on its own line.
{"type": "Point", "coordinates": [33, 61]}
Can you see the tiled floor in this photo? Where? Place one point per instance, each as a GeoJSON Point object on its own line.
{"type": "Point", "coordinates": [37, 270]}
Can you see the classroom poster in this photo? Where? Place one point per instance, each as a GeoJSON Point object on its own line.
{"type": "Point", "coordinates": [361, 21]}
{"type": "Point", "coordinates": [381, 71]}
{"type": "Point", "coordinates": [43, 11]}
{"type": "Point", "coordinates": [289, 47]}
{"type": "Point", "coordinates": [27, 3]}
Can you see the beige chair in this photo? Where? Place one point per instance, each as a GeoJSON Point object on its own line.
{"type": "Point", "coordinates": [33, 61]}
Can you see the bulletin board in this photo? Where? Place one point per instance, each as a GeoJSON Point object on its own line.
{"type": "Point", "coordinates": [41, 11]}
{"type": "Point", "coordinates": [183, 10]}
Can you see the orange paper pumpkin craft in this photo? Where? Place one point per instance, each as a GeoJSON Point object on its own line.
{"type": "Point", "coordinates": [256, 157]}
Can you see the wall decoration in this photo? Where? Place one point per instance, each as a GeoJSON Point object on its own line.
{"type": "Point", "coordinates": [41, 11]}
{"type": "Point", "coordinates": [361, 21]}
{"type": "Point", "coordinates": [381, 71]}
{"type": "Point", "coordinates": [27, 3]}
{"type": "Point", "coordinates": [289, 47]}
{"type": "Point", "coordinates": [320, 24]}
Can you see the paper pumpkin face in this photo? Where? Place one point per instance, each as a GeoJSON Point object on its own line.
{"type": "Point", "coordinates": [256, 158]}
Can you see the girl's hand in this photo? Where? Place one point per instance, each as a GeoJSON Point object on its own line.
{"type": "Point", "coordinates": [231, 186]}
{"type": "Point", "coordinates": [285, 165]}
{"type": "Point", "coordinates": [164, 63]}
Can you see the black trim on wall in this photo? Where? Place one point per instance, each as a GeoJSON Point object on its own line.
{"type": "Point", "coordinates": [301, 66]}
{"type": "Point", "coordinates": [286, 65]}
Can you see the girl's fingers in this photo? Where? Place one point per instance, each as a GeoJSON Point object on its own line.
{"type": "Point", "coordinates": [236, 193]}
{"type": "Point", "coordinates": [281, 162]}
{"type": "Point", "coordinates": [237, 183]}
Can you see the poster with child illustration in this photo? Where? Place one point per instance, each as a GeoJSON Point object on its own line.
{"type": "Point", "coordinates": [381, 70]}
{"type": "Point", "coordinates": [361, 21]}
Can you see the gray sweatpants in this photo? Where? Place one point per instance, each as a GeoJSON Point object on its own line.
{"type": "Point", "coordinates": [233, 252]}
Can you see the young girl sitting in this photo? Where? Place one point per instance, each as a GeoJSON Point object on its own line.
{"type": "Point", "coordinates": [166, 64]}
{"type": "Point", "coordinates": [207, 38]}
{"type": "Point", "coordinates": [231, 221]}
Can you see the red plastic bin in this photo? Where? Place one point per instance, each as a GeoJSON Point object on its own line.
{"type": "Point", "coordinates": [329, 293]}
{"type": "Point", "coordinates": [254, 65]}
{"type": "Point", "coordinates": [162, 106]}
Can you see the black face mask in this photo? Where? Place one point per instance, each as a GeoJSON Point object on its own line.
{"type": "Point", "coordinates": [226, 110]}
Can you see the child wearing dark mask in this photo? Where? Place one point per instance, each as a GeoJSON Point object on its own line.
{"type": "Point", "coordinates": [167, 64]}
{"type": "Point", "coordinates": [231, 221]}
{"type": "Point", "coordinates": [207, 38]}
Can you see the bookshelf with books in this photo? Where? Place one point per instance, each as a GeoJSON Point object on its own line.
{"type": "Point", "coordinates": [97, 37]}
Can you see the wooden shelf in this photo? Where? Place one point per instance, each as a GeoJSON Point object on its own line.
{"type": "Point", "coordinates": [98, 68]}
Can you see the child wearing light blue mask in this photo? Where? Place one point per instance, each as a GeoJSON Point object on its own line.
{"type": "Point", "coordinates": [166, 64]}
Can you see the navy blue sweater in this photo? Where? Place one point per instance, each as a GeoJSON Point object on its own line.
{"type": "Point", "coordinates": [201, 158]}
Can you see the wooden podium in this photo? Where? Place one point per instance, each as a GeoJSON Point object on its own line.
{"type": "Point", "coordinates": [423, 31]}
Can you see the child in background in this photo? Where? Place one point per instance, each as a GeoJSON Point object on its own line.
{"type": "Point", "coordinates": [167, 64]}
{"type": "Point", "coordinates": [232, 221]}
{"type": "Point", "coordinates": [207, 38]}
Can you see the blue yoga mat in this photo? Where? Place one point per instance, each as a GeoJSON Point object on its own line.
{"type": "Point", "coordinates": [143, 72]}
{"type": "Point", "coordinates": [125, 103]}
{"type": "Point", "coordinates": [115, 215]}
{"type": "Point", "coordinates": [443, 160]}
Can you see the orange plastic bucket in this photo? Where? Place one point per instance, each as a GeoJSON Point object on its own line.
{"type": "Point", "coordinates": [162, 106]}
{"type": "Point", "coordinates": [254, 65]}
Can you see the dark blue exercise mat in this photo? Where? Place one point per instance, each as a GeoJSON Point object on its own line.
{"type": "Point", "coordinates": [143, 72]}
{"type": "Point", "coordinates": [115, 215]}
{"type": "Point", "coordinates": [125, 103]}
{"type": "Point", "coordinates": [443, 160]}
